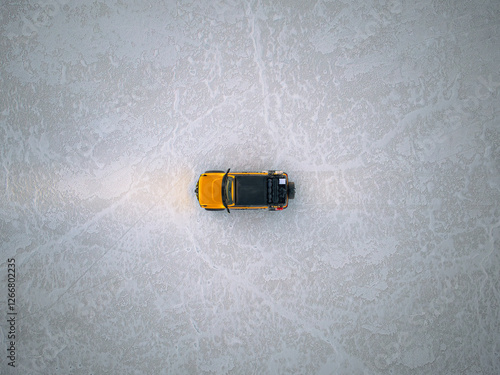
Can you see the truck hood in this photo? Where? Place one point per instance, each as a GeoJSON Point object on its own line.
{"type": "Point", "coordinates": [210, 190]}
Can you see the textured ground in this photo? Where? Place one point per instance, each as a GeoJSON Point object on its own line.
{"type": "Point", "coordinates": [386, 115]}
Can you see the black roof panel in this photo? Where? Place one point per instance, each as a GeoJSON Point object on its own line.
{"type": "Point", "coordinates": [251, 190]}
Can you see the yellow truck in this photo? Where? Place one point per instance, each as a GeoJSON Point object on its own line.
{"type": "Point", "coordinates": [268, 190]}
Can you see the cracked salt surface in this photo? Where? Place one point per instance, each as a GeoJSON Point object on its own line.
{"type": "Point", "coordinates": [386, 116]}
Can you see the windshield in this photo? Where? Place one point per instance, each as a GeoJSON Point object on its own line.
{"type": "Point", "coordinates": [228, 190]}
{"type": "Point", "coordinates": [224, 190]}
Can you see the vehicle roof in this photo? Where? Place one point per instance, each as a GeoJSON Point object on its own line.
{"type": "Point", "coordinates": [250, 190]}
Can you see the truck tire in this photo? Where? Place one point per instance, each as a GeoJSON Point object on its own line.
{"type": "Point", "coordinates": [291, 190]}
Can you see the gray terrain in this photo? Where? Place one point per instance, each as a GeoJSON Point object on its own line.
{"type": "Point", "coordinates": [385, 114]}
